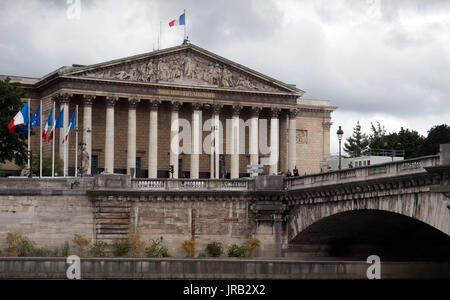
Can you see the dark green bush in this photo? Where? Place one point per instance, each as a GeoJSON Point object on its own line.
{"type": "Point", "coordinates": [202, 255]}
{"type": "Point", "coordinates": [156, 249]}
{"type": "Point", "coordinates": [99, 249]}
{"type": "Point", "coordinates": [121, 247]}
{"type": "Point", "coordinates": [236, 251]}
{"type": "Point", "coordinates": [214, 249]}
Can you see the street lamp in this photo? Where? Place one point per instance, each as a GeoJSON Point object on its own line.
{"type": "Point", "coordinates": [340, 133]}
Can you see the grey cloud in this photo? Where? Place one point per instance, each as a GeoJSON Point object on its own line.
{"type": "Point", "coordinates": [376, 66]}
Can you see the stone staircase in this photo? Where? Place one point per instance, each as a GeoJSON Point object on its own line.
{"type": "Point", "coordinates": [112, 220]}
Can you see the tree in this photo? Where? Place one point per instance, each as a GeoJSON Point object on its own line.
{"type": "Point", "coordinates": [356, 145]}
{"type": "Point", "coordinates": [13, 147]}
{"type": "Point", "coordinates": [437, 135]}
{"type": "Point", "coordinates": [408, 140]}
{"type": "Point", "coordinates": [378, 137]}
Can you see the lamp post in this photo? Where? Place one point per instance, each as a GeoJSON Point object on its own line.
{"type": "Point", "coordinates": [340, 133]}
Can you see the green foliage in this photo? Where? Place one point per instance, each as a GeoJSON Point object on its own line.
{"type": "Point", "coordinates": [13, 146]}
{"type": "Point", "coordinates": [156, 249]}
{"type": "Point", "coordinates": [357, 144]}
{"type": "Point", "coordinates": [236, 251]}
{"type": "Point", "coordinates": [47, 165]}
{"type": "Point", "coordinates": [98, 249]}
{"type": "Point", "coordinates": [214, 249]}
{"type": "Point", "coordinates": [65, 250]}
{"type": "Point", "coordinates": [121, 247]}
{"type": "Point", "coordinates": [202, 255]}
{"type": "Point", "coordinates": [437, 135]}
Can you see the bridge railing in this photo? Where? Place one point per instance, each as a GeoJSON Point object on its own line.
{"type": "Point", "coordinates": [191, 184]}
{"type": "Point", "coordinates": [392, 169]}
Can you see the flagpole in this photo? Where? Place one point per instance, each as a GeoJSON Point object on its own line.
{"type": "Point", "coordinates": [184, 26]}
{"type": "Point", "coordinates": [76, 144]}
{"type": "Point", "coordinates": [160, 35]}
{"type": "Point", "coordinates": [66, 155]}
{"type": "Point", "coordinates": [40, 139]}
{"type": "Point", "coordinates": [29, 128]}
{"type": "Point", "coordinates": [53, 140]}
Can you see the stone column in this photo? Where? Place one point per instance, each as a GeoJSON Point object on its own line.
{"type": "Point", "coordinates": [215, 145]}
{"type": "Point", "coordinates": [109, 136]}
{"type": "Point", "coordinates": [292, 150]}
{"type": "Point", "coordinates": [274, 140]}
{"type": "Point", "coordinates": [153, 141]}
{"type": "Point", "coordinates": [87, 131]}
{"type": "Point", "coordinates": [326, 145]}
{"type": "Point", "coordinates": [254, 137]}
{"type": "Point", "coordinates": [64, 100]}
{"type": "Point", "coordinates": [174, 142]}
{"type": "Point", "coordinates": [195, 151]}
{"type": "Point", "coordinates": [235, 142]}
{"type": "Point", "coordinates": [131, 149]}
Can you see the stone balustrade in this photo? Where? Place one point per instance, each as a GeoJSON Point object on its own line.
{"type": "Point", "coordinates": [392, 169]}
{"type": "Point", "coordinates": [189, 184]}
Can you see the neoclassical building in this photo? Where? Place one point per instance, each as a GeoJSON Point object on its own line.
{"type": "Point", "coordinates": [131, 109]}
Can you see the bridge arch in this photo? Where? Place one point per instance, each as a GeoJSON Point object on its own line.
{"type": "Point", "coordinates": [397, 223]}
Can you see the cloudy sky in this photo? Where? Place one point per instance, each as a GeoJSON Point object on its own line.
{"type": "Point", "coordinates": [377, 60]}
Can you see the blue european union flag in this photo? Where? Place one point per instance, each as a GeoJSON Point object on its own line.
{"type": "Point", "coordinates": [35, 120]}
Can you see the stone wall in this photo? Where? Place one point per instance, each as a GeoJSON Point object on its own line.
{"type": "Point", "coordinates": [213, 269]}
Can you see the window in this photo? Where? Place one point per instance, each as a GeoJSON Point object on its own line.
{"type": "Point", "coordinates": [180, 166]}
{"type": "Point", "coordinates": [94, 162]}
{"type": "Point", "coordinates": [138, 163]}
{"type": "Point", "coordinates": [368, 162]}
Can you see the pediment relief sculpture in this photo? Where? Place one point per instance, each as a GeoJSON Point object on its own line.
{"type": "Point", "coordinates": [183, 69]}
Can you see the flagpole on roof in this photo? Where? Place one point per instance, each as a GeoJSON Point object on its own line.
{"type": "Point", "coordinates": [29, 146]}
{"type": "Point", "coordinates": [53, 140]}
{"type": "Point", "coordinates": [40, 139]}
{"type": "Point", "coordinates": [76, 144]}
{"type": "Point", "coordinates": [184, 25]}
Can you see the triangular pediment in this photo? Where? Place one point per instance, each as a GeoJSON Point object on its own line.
{"type": "Point", "coordinates": [185, 65]}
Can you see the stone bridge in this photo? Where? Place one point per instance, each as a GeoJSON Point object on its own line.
{"type": "Point", "coordinates": [399, 210]}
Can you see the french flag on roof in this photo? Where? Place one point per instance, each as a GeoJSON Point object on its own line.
{"type": "Point", "coordinates": [178, 22]}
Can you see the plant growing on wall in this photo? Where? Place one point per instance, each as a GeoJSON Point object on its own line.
{"type": "Point", "coordinates": [189, 247]}
{"type": "Point", "coordinates": [14, 243]}
{"type": "Point", "coordinates": [136, 245]}
{"type": "Point", "coordinates": [236, 251]}
{"type": "Point", "coordinates": [251, 245]}
{"type": "Point", "coordinates": [214, 249]}
{"type": "Point", "coordinates": [80, 244]}
{"type": "Point", "coordinates": [121, 247]}
{"type": "Point", "coordinates": [98, 249]}
{"type": "Point", "coordinates": [156, 249]}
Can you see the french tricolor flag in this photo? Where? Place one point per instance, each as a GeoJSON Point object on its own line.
{"type": "Point", "coordinates": [22, 117]}
{"type": "Point", "coordinates": [178, 22]}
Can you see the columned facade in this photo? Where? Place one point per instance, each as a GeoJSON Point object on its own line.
{"type": "Point", "coordinates": [235, 151]}
{"type": "Point", "coordinates": [174, 141]}
{"type": "Point", "coordinates": [215, 141]}
{"type": "Point", "coordinates": [131, 152]}
{"type": "Point", "coordinates": [153, 140]}
{"type": "Point", "coordinates": [254, 137]}
{"type": "Point", "coordinates": [109, 134]}
{"type": "Point", "coordinates": [134, 111]}
{"type": "Point", "coordinates": [274, 140]}
{"type": "Point", "coordinates": [87, 131]}
{"type": "Point", "coordinates": [196, 140]}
